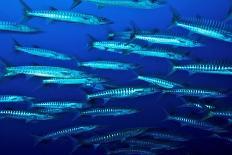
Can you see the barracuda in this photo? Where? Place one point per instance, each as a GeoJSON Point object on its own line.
{"type": "Point", "coordinates": [138, 4]}
{"type": "Point", "coordinates": [14, 27]}
{"type": "Point", "coordinates": [168, 39]}
{"type": "Point", "coordinates": [205, 68]}
{"type": "Point", "coordinates": [201, 93]}
{"type": "Point", "coordinates": [112, 111]}
{"type": "Point", "coordinates": [66, 16]}
{"type": "Point", "coordinates": [195, 123]}
{"type": "Point", "coordinates": [200, 106]}
{"type": "Point", "coordinates": [150, 144]}
{"type": "Point", "coordinates": [66, 132]}
{"type": "Point", "coordinates": [112, 65]}
{"type": "Point", "coordinates": [114, 136]}
{"type": "Point", "coordinates": [123, 93]}
{"type": "Point", "coordinates": [223, 114]}
{"type": "Point", "coordinates": [206, 27]}
{"type": "Point", "coordinates": [60, 105]}
{"type": "Point", "coordinates": [14, 98]}
{"type": "Point", "coordinates": [115, 46]}
{"type": "Point", "coordinates": [140, 151]}
{"type": "Point", "coordinates": [41, 52]}
{"type": "Point", "coordinates": [44, 71]}
{"type": "Point", "coordinates": [24, 115]}
{"type": "Point", "coordinates": [161, 135]}
{"type": "Point", "coordinates": [159, 82]}
{"type": "Point", "coordinates": [162, 53]}
{"type": "Point", "coordinates": [79, 81]}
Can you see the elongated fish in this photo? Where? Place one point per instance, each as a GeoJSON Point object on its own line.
{"type": "Point", "coordinates": [112, 137]}
{"type": "Point", "coordinates": [114, 46]}
{"type": "Point", "coordinates": [52, 111]}
{"type": "Point", "coordinates": [132, 150]}
{"type": "Point", "coordinates": [168, 39]}
{"type": "Point", "coordinates": [195, 123]}
{"type": "Point", "coordinates": [112, 65]}
{"type": "Point", "coordinates": [160, 82]}
{"type": "Point", "coordinates": [138, 4]}
{"type": "Point", "coordinates": [201, 93]}
{"type": "Point", "coordinates": [162, 53]}
{"type": "Point", "coordinates": [66, 132]}
{"type": "Point", "coordinates": [14, 98]}
{"type": "Point", "coordinates": [162, 135]}
{"type": "Point", "coordinates": [24, 115]}
{"type": "Point", "coordinates": [220, 113]}
{"type": "Point", "coordinates": [111, 111]}
{"type": "Point", "coordinates": [209, 68]}
{"type": "Point", "coordinates": [88, 81]}
{"type": "Point", "coordinates": [41, 52]}
{"type": "Point", "coordinates": [44, 71]}
{"type": "Point", "coordinates": [206, 27]}
{"type": "Point", "coordinates": [150, 144]}
{"type": "Point", "coordinates": [127, 92]}
{"type": "Point", "coordinates": [14, 27]}
{"type": "Point", "coordinates": [60, 105]}
{"type": "Point", "coordinates": [199, 105]}
{"type": "Point", "coordinates": [65, 16]}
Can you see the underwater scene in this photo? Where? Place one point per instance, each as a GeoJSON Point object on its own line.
{"type": "Point", "coordinates": [116, 77]}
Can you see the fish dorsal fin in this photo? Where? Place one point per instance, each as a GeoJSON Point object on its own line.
{"type": "Point", "coordinates": [35, 46]}
{"type": "Point", "coordinates": [53, 8]}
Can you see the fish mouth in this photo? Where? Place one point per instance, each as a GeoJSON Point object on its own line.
{"type": "Point", "coordinates": [108, 22]}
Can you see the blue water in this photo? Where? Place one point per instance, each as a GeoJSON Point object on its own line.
{"type": "Point", "coordinates": [72, 39]}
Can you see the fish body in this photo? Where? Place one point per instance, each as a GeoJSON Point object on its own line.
{"type": "Point", "coordinates": [94, 112]}
{"type": "Point", "coordinates": [206, 27]}
{"type": "Point", "coordinates": [14, 27]}
{"type": "Point", "coordinates": [51, 111]}
{"type": "Point", "coordinates": [65, 16]}
{"type": "Point", "coordinates": [14, 98]}
{"type": "Point", "coordinates": [132, 150]}
{"type": "Point", "coordinates": [116, 46]}
{"type": "Point", "coordinates": [223, 114]}
{"type": "Point", "coordinates": [168, 39]}
{"type": "Point", "coordinates": [60, 105]}
{"type": "Point", "coordinates": [114, 136]}
{"type": "Point", "coordinates": [123, 93]}
{"type": "Point", "coordinates": [201, 93]}
{"type": "Point", "coordinates": [160, 135]}
{"type": "Point", "coordinates": [42, 53]}
{"type": "Point", "coordinates": [160, 82]}
{"type": "Point", "coordinates": [112, 65]}
{"type": "Point", "coordinates": [44, 71]}
{"type": "Point", "coordinates": [24, 115]}
{"type": "Point", "coordinates": [67, 132]}
{"type": "Point", "coordinates": [195, 123]}
{"type": "Point", "coordinates": [151, 144]}
{"type": "Point", "coordinates": [162, 53]}
{"type": "Point", "coordinates": [200, 106]}
{"type": "Point", "coordinates": [138, 4]}
{"type": "Point", "coordinates": [205, 68]}
{"type": "Point", "coordinates": [79, 81]}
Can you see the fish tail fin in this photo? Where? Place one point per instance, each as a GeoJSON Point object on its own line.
{"type": "Point", "coordinates": [3, 66]}
{"type": "Point", "coordinates": [173, 65]}
{"type": "Point", "coordinates": [175, 16]}
{"type": "Point", "coordinates": [91, 41]}
{"type": "Point", "coordinates": [75, 4]}
{"type": "Point", "coordinates": [209, 115]}
{"type": "Point", "coordinates": [26, 9]}
{"type": "Point", "coordinates": [77, 115]}
{"type": "Point", "coordinates": [37, 140]}
{"type": "Point", "coordinates": [16, 43]}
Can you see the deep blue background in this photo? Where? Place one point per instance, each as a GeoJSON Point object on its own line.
{"type": "Point", "coordinates": [15, 136]}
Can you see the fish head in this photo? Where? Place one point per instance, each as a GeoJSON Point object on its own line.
{"type": "Point", "coordinates": [103, 21]}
